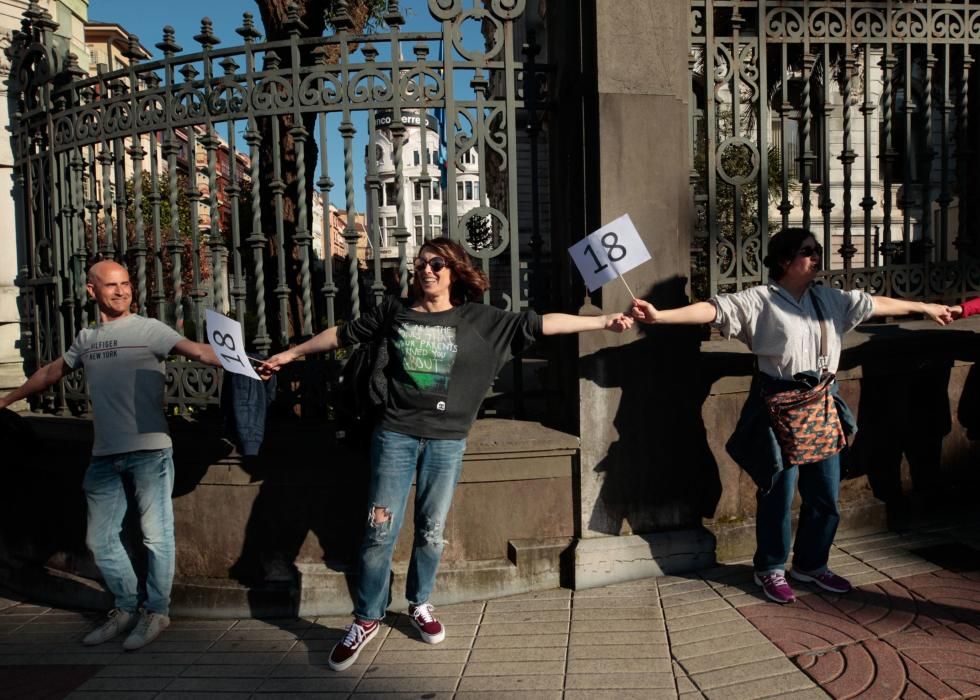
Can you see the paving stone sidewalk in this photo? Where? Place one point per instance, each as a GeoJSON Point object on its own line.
{"type": "Point", "coordinates": [911, 630]}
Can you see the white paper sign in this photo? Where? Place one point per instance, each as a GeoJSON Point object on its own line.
{"type": "Point", "coordinates": [225, 336]}
{"type": "Point", "coordinates": [606, 254]}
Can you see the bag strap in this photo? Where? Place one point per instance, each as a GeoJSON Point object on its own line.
{"type": "Point", "coordinates": [823, 358]}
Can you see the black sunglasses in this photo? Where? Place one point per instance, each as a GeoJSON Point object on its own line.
{"type": "Point", "coordinates": [808, 251]}
{"type": "Point", "coordinates": [436, 263]}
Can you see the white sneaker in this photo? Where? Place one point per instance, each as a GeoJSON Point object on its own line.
{"type": "Point", "coordinates": [424, 621]}
{"type": "Point", "coordinates": [119, 621]}
{"type": "Point", "coordinates": [148, 628]}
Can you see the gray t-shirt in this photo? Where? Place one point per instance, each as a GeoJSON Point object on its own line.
{"type": "Point", "coordinates": [123, 362]}
{"type": "Point", "coordinates": [784, 333]}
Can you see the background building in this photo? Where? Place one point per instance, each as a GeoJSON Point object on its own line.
{"type": "Point", "coordinates": [426, 208]}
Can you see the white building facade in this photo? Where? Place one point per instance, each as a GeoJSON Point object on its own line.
{"type": "Point", "coordinates": [426, 208]}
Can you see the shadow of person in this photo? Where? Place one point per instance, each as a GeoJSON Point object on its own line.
{"type": "Point", "coordinates": [968, 409]}
{"type": "Point", "coordinates": [659, 473]}
{"type": "Point", "coordinates": [42, 506]}
{"type": "Point", "coordinates": [198, 445]}
{"type": "Point", "coordinates": [904, 411]}
{"type": "Point", "coordinates": [310, 508]}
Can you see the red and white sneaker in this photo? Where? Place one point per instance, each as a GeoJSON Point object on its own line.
{"type": "Point", "coordinates": [827, 580]}
{"type": "Point", "coordinates": [775, 587]}
{"type": "Point", "coordinates": [428, 626]}
{"type": "Point", "coordinates": [345, 652]}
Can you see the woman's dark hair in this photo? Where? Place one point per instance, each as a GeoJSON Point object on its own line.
{"type": "Point", "coordinates": [470, 282]}
{"type": "Point", "coordinates": [782, 249]}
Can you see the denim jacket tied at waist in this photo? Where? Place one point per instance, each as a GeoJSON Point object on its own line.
{"type": "Point", "coordinates": [753, 445]}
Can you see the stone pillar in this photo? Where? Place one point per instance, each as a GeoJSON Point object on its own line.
{"type": "Point", "coordinates": [11, 363]}
{"type": "Point", "coordinates": [645, 469]}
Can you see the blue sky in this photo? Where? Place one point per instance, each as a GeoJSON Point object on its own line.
{"type": "Point", "coordinates": [147, 18]}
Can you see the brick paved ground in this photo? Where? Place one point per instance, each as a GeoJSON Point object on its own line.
{"type": "Point", "coordinates": [912, 630]}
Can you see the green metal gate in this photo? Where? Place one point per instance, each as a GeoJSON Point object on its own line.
{"type": "Point", "coordinates": [108, 164]}
{"type": "Point", "coordinates": [850, 119]}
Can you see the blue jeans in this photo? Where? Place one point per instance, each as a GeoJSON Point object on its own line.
{"type": "Point", "coordinates": [395, 460]}
{"type": "Point", "coordinates": [152, 475]}
{"type": "Point", "coordinates": [819, 515]}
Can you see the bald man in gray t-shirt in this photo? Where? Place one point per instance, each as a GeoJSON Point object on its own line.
{"type": "Point", "coordinates": [123, 356]}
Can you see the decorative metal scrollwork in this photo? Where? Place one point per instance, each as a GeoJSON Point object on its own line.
{"type": "Point", "coordinates": [870, 116]}
{"type": "Point", "coordinates": [160, 164]}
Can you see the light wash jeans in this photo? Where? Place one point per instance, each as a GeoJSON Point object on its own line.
{"type": "Point", "coordinates": [152, 475]}
{"type": "Point", "coordinates": [819, 515]}
{"type": "Point", "coordinates": [395, 460]}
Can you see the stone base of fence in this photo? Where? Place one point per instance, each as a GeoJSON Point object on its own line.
{"type": "Point", "coordinates": [278, 536]}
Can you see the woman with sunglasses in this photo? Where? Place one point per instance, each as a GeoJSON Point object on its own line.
{"type": "Point", "coordinates": [444, 350]}
{"type": "Point", "coordinates": [780, 322]}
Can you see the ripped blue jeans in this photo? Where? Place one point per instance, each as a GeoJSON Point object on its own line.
{"type": "Point", "coordinates": [395, 460]}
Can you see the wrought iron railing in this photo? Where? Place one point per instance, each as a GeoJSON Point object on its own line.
{"type": "Point", "coordinates": [201, 172]}
{"type": "Point", "coordinates": [850, 119]}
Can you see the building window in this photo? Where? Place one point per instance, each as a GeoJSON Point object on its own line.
{"type": "Point", "coordinates": [790, 160]}
{"type": "Point", "coordinates": [468, 191]}
{"type": "Point", "coordinates": [390, 199]}
{"type": "Point", "coordinates": [415, 154]}
{"type": "Point", "coordinates": [435, 228]}
{"type": "Point", "coordinates": [434, 192]}
{"type": "Point", "coordinates": [387, 224]}
{"type": "Point", "coordinates": [906, 146]}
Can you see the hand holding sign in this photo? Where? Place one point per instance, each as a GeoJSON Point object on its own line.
{"type": "Point", "coordinates": [225, 337]}
{"type": "Point", "coordinates": [609, 252]}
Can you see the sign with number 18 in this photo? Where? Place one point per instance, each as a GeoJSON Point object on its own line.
{"type": "Point", "coordinates": [609, 252]}
{"type": "Point", "coordinates": [225, 336]}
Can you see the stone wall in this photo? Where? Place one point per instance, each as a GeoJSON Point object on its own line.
{"type": "Point", "coordinates": [280, 534]}
{"type": "Point", "coordinates": [916, 395]}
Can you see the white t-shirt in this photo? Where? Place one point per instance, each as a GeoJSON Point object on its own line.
{"type": "Point", "coordinates": [784, 333]}
{"type": "Point", "coordinates": [123, 362]}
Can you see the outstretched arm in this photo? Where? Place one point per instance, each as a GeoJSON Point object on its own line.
{"type": "Point", "coordinates": [694, 314]}
{"type": "Point", "coordinates": [969, 307]}
{"type": "Point", "coordinates": [886, 306]}
{"type": "Point", "coordinates": [559, 324]}
{"type": "Point", "coordinates": [324, 341]}
{"type": "Point", "coordinates": [202, 352]}
{"type": "Point", "coordinates": [39, 381]}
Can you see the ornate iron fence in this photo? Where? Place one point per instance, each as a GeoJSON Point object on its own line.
{"type": "Point", "coordinates": [848, 118]}
{"type": "Point", "coordinates": [199, 171]}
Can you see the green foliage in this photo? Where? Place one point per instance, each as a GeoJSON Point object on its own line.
{"type": "Point", "coordinates": [166, 211]}
{"type": "Point", "coordinates": [479, 232]}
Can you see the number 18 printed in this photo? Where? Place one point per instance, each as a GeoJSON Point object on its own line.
{"type": "Point", "coordinates": [606, 254]}
{"type": "Point", "coordinates": [225, 336]}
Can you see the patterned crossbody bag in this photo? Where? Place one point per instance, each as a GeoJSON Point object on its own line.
{"type": "Point", "coordinates": [805, 419]}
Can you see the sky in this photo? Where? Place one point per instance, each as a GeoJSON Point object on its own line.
{"type": "Point", "coordinates": [146, 19]}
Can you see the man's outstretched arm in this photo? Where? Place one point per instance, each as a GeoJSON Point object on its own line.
{"type": "Point", "coordinates": [39, 381]}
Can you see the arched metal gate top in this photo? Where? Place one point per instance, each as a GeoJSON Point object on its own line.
{"type": "Point", "coordinates": [209, 173]}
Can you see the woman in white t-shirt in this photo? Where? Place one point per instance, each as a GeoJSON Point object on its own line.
{"type": "Point", "coordinates": [780, 323]}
